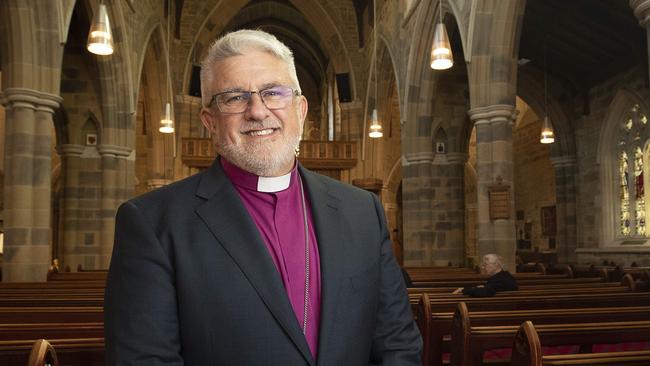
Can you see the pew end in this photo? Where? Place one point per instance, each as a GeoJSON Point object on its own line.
{"type": "Point", "coordinates": [42, 354]}
{"type": "Point", "coordinates": [526, 349]}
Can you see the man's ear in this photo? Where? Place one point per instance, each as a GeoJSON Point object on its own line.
{"type": "Point", "coordinates": [208, 120]}
{"type": "Point", "coordinates": [302, 109]}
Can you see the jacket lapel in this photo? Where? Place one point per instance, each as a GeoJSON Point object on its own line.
{"type": "Point", "coordinates": [229, 221]}
{"type": "Point", "coordinates": [328, 224]}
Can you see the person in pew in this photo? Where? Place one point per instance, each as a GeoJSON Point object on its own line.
{"type": "Point", "coordinates": [499, 280]}
{"type": "Point", "coordinates": [256, 260]}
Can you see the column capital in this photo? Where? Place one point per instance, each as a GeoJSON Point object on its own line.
{"type": "Point", "coordinates": [641, 11]}
{"type": "Point", "coordinates": [418, 158]}
{"type": "Point", "coordinates": [457, 158]}
{"type": "Point", "coordinates": [563, 161]}
{"type": "Point", "coordinates": [114, 150]}
{"type": "Point", "coordinates": [30, 98]}
{"type": "Point", "coordinates": [66, 150]}
{"type": "Point", "coordinates": [493, 113]}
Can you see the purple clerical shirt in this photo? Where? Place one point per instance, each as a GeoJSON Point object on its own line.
{"type": "Point", "coordinates": [275, 204]}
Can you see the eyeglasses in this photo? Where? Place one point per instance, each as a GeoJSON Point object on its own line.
{"type": "Point", "coordinates": [233, 102]}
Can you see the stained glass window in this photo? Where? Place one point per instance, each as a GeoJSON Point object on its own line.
{"type": "Point", "coordinates": [631, 158]}
{"type": "Point", "coordinates": [625, 195]}
{"type": "Point", "coordinates": [639, 192]}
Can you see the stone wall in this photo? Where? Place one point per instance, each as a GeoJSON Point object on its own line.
{"type": "Point", "coordinates": [534, 179]}
{"type": "Point", "coordinates": [588, 127]}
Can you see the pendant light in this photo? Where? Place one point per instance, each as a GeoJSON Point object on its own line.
{"type": "Point", "coordinates": [100, 38]}
{"type": "Point", "coordinates": [375, 126]}
{"type": "Point", "coordinates": [441, 57]}
{"type": "Point", "coordinates": [547, 135]}
{"type": "Point", "coordinates": [167, 123]}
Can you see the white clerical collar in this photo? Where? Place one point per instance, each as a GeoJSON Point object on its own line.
{"type": "Point", "coordinates": [273, 184]}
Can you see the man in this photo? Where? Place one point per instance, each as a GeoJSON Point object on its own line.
{"type": "Point", "coordinates": [500, 280]}
{"type": "Point", "coordinates": [255, 261]}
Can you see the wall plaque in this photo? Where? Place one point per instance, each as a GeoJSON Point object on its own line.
{"type": "Point", "coordinates": [499, 196]}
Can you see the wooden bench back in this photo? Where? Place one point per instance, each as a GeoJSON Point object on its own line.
{"type": "Point", "coordinates": [470, 342]}
{"type": "Point", "coordinates": [42, 354]}
{"type": "Point", "coordinates": [527, 351]}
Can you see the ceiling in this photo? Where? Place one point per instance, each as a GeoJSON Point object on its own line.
{"type": "Point", "coordinates": [586, 41]}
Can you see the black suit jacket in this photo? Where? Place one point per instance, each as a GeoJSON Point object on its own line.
{"type": "Point", "coordinates": [500, 281]}
{"type": "Point", "coordinates": [191, 282]}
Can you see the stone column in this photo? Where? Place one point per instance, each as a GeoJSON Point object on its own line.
{"type": "Point", "coordinates": [27, 185]}
{"type": "Point", "coordinates": [565, 208]}
{"type": "Point", "coordinates": [72, 243]}
{"type": "Point", "coordinates": [449, 209]}
{"type": "Point", "coordinates": [642, 12]}
{"type": "Point", "coordinates": [418, 197]}
{"type": "Point", "coordinates": [494, 165]}
{"type": "Point", "coordinates": [115, 190]}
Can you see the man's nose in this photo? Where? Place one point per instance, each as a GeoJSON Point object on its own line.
{"type": "Point", "coordinates": [256, 107]}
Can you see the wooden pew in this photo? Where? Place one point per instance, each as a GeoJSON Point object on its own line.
{"type": "Point", "coordinates": [535, 280]}
{"type": "Point", "coordinates": [52, 302]}
{"type": "Point", "coordinates": [527, 351]}
{"type": "Point", "coordinates": [42, 354]}
{"type": "Point", "coordinates": [414, 294]}
{"type": "Point", "coordinates": [469, 342]}
{"type": "Point", "coordinates": [434, 316]}
{"type": "Point", "coordinates": [72, 314]}
{"type": "Point", "coordinates": [440, 324]}
{"type": "Point", "coordinates": [33, 331]}
{"type": "Point", "coordinates": [87, 351]}
{"type": "Point", "coordinates": [4, 286]}
{"type": "Point", "coordinates": [77, 276]}
{"type": "Point", "coordinates": [69, 306]}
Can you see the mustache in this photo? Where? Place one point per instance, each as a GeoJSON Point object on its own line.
{"type": "Point", "coordinates": [258, 125]}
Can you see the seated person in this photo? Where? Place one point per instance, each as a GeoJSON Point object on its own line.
{"type": "Point", "coordinates": [499, 280]}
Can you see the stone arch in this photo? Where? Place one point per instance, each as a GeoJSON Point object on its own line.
{"type": "Point", "coordinates": [493, 67]}
{"type": "Point", "coordinates": [392, 188]}
{"type": "Point", "coordinates": [623, 100]}
{"type": "Point", "coordinates": [116, 90]}
{"type": "Point", "coordinates": [313, 11]}
{"type": "Point", "coordinates": [530, 88]}
{"type": "Point", "coordinates": [154, 150]}
{"type": "Point", "coordinates": [421, 81]}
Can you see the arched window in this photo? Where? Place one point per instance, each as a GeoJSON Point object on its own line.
{"type": "Point", "coordinates": [632, 163]}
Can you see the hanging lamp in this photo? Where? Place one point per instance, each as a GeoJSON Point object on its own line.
{"type": "Point", "coordinates": [100, 38]}
{"type": "Point", "coordinates": [167, 123]}
{"type": "Point", "coordinates": [441, 56]}
{"type": "Point", "coordinates": [547, 136]}
{"type": "Point", "coordinates": [375, 127]}
{"type": "Point", "coordinates": [375, 131]}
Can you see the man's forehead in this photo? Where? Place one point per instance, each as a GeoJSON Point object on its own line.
{"type": "Point", "coordinates": [237, 73]}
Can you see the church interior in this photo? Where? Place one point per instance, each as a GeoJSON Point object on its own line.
{"type": "Point", "coordinates": [532, 144]}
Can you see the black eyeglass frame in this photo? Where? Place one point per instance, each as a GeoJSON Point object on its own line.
{"type": "Point", "coordinates": [294, 93]}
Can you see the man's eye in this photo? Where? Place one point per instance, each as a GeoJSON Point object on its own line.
{"type": "Point", "coordinates": [271, 93]}
{"type": "Point", "coordinates": [234, 98]}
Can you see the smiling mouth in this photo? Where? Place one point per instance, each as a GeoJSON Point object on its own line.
{"type": "Point", "coordinates": [264, 132]}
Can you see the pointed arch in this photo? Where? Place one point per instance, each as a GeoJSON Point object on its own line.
{"type": "Point", "coordinates": [608, 157]}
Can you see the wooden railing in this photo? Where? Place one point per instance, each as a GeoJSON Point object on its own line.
{"type": "Point", "coordinates": [334, 155]}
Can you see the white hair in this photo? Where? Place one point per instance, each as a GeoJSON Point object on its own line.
{"type": "Point", "coordinates": [493, 259]}
{"type": "Point", "coordinates": [237, 43]}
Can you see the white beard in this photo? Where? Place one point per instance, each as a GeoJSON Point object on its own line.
{"type": "Point", "coordinates": [265, 158]}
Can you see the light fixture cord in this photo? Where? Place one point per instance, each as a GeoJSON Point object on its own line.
{"type": "Point", "coordinates": [169, 15]}
{"type": "Point", "coordinates": [545, 84]}
{"type": "Point", "coordinates": [374, 21]}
